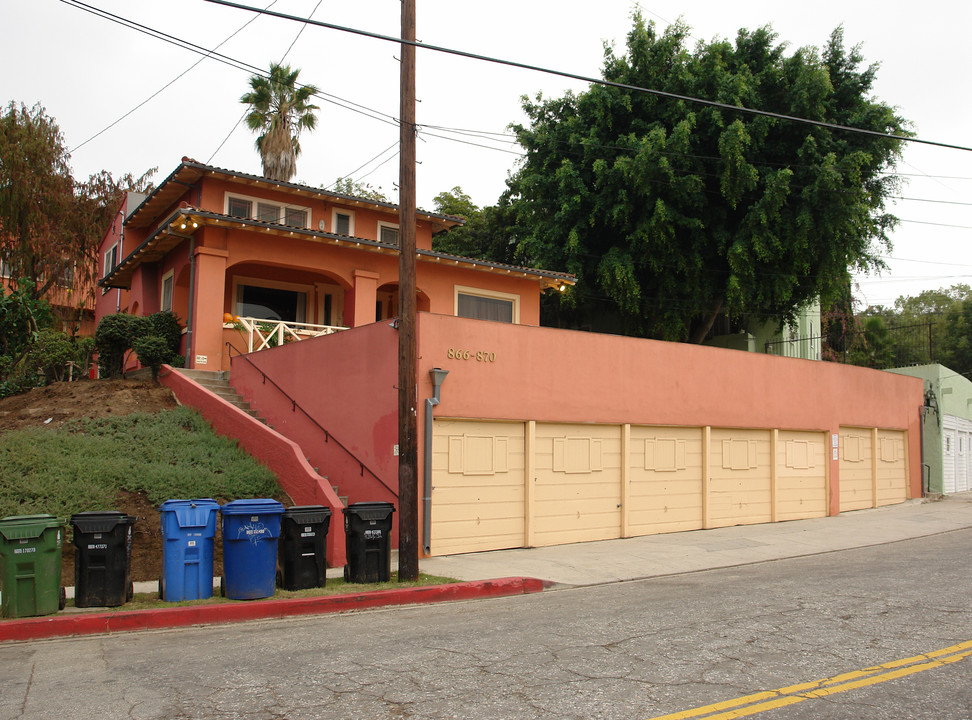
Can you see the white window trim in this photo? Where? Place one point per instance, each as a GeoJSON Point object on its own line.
{"type": "Point", "coordinates": [256, 201]}
{"type": "Point", "coordinates": [394, 226]}
{"type": "Point", "coordinates": [113, 250]}
{"type": "Point", "coordinates": [310, 296]}
{"type": "Point", "coordinates": [479, 292]}
{"type": "Point", "coordinates": [167, 276]}
{"type": "Point", "coordinates": [342, 211]}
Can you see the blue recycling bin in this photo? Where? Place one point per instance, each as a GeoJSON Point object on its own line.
{"type": "Point", "coordinates": [188, 530]}
{"type": "Point", "coordinates": [250, 532]}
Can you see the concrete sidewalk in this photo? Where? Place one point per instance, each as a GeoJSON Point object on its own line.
{"type": "Point", "coordinates": [608, 561]}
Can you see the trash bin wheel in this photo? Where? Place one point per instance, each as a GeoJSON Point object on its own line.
{"type": "Point", "coordinates": [161, 588]}
{"type": "Point", "coordinates": [279, 580]}
{"type": "Point", "coordinates": [347, 574]}
{"type": "Point", "coordinates": [130, 592]}
{"type": "Point", "coordinates": [61, 599]}
{"type": "Point", "coordinates": [222, 586]}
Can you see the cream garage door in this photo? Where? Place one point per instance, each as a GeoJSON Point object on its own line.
{"type": "Point", "coordinates": [801, 475]}
{"type": "Point", "coordinates": [856, 491]}
{"type": "Point", "coordinates": [740, 477]}
{"type": "Point", "coordinates": [664, 480]}
{"type": "Point", "coordinates": [477, 486]}
{"type": "Point", "coordinates": [576, 494]}
{"type": "Point", "coordinates": [892, 472]}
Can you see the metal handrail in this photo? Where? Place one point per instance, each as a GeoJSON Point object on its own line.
{"type": "Point", "coordinates": [296, 406]}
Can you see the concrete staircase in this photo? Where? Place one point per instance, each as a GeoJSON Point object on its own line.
{"type": "Point", "coordinates": [218, 382]}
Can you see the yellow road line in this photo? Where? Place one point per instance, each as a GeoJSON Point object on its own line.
{"type": "Point", "coordinates": [770, 699]}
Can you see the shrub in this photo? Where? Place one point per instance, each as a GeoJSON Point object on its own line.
{"type": "Point", "coordinates": [114, 337]}
{"type": "Point", "coordinates": [152, 351]}
{"type": "Point", "coordinates": [165, 324]}
{"type": "Point", "coordinates": [50, 355]}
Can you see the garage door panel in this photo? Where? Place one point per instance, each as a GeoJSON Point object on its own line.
{"type": "Point", "coordinates": [856, 492]}
{"type": "Point", "coordinates": [477, 486]}
{"type": "Point", "coordinates": [801, 475]}
{"type": "Point", "coordinates": [577, 492]}
{"type": "Point", "coordinates": [664, 491]}
{"type": "Point", "coordinates": [891, 470]}
{"type": "Point", "coordinates": [740, 477]}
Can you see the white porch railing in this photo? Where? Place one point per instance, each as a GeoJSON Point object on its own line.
{"type": "Point", "coordinates": [262, 334]}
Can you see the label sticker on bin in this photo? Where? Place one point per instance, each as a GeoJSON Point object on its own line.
{"type": "Point", "coordinates": [192, 543]}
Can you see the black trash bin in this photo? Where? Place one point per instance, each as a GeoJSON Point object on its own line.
{"type": "Point", "coordinates": [302, 550]}
{"type": "Point", "coordinates": [367, 533]}
{"type": "Point", "coordinates": [102, 558]}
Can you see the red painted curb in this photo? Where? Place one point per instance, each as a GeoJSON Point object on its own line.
{"type": "Point", "coordinates": [110, 622]}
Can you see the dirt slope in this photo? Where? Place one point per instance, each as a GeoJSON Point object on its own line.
{"type": "Point", "coordinates": [54, 405]}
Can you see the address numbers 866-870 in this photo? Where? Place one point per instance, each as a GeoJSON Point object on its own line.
{"type": "Point", "coordinates": [477, 355]}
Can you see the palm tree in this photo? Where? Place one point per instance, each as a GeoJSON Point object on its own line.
{"type": "Point", "coordinates": [279, 110]}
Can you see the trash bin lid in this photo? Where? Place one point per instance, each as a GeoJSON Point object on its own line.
{"type": "Point", "coordinates": [191, 513]}
{"type": "Point", "coordinates": [25, 527]}
{"type": "Point", "coordinates": [96, 521]}
{"type": "Point", "coordinates": [256, 506]}
{"type": "Point", "coordinates": [370, 510]}
{"type": "Point", "coordinates": [311, 514]}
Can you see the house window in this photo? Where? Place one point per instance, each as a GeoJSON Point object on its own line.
{"type": "Point", "coordinates": [342, 223]}
{"type": "Point", "coordinates": [167, 281]}
{"type": "Point", "coordinates": [487, 305]}
{"type": "Point", "coordinates": [266, 211]}
{"type": "Point", "coordinates": [295, 217]}
{"type": "Point", "coordinates": [388, 233]}
{"type": "Point", "coordinates": [111, 259]}
{"type": "Point", "coordinates": [67, 276]}
{"type": "Point", "coordinates": [5, 270]}
{"type": "Point", "coordinates": [271, 303]}
{"type": "Point", "coordinates": [238, 207]}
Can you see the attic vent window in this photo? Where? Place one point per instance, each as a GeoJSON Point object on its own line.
{"type": "Point", "coordinates": [342, 223]}
{"type": "Point", "coordinates": [388, 233]}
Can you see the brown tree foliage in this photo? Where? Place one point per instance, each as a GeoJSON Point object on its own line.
{"type": "Point", "coordinates": [50, 223]}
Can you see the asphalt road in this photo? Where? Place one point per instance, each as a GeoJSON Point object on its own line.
{"type": "Point", "coordinates": [635, 650]}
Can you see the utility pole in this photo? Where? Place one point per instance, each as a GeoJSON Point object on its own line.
{"type": "Point", "coordinates": [407, 391]}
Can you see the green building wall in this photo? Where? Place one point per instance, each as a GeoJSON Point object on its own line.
{"type": "Point", "coordinates": [946, 393]}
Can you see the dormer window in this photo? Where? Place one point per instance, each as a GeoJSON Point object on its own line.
{"type": "Point", "coordinates": [342, 222]}
{"type": "Point", "coordinates": [388, 233]}
{"type": "Point", "coordinates": [267, 211]}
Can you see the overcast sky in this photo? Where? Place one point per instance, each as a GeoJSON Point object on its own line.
{"type": "Point", "coordinates": [89, 72]}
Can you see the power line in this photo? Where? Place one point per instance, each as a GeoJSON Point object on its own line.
{"type": "Point", "coordinates": [924, 222]}
{"type": "Point", "coordinates": [944, 202]}
{"type": "Point", "coordinates": [584, 78]}
{"type": "Point", "coordinates": [211, 54]}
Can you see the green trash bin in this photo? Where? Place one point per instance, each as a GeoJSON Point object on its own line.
{"type": "Point", "coordinates": [30, 565]}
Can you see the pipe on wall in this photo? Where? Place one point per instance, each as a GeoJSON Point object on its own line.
{"type": "Point", "coordinates": [438, 375]}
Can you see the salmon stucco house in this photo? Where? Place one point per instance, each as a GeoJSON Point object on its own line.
{"type": "Point", "coordinates": [254, 262]}
{"type": "Point", "coordinates": [527, 435]}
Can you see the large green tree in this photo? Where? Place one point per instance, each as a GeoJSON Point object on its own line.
{"type": "Point", "coordinates": [671, 213]}
{"type": "Point", "coordinates": [488, 233]}
{"type": "Point", "coordinates": [279, 108]}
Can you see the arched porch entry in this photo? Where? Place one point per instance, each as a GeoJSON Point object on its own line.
{"type": "Point", "coordinates": [387, 301]}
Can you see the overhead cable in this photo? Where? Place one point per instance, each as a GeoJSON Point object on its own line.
{"type": "Point", "coordinates": [585, 78]}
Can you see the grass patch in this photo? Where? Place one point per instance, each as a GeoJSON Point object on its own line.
{"type": "Point", "coordinates": [82, 466]}
{"type": "Point", "coordinates": [334, 586]}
